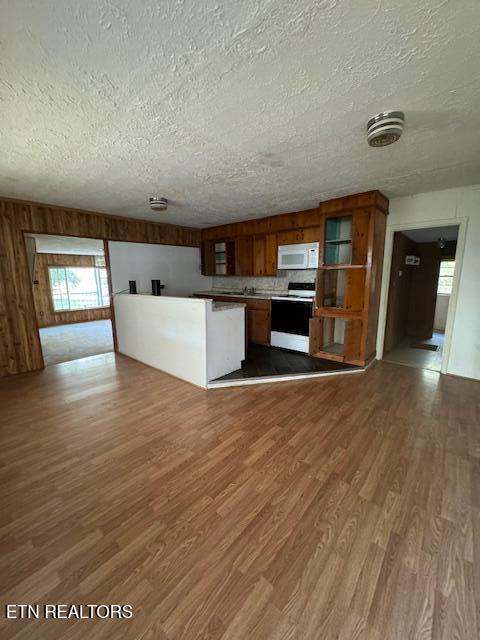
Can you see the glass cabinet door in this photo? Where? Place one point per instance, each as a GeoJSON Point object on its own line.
{"type": "Point", "coordinates": [220, 259]}
{"type": "Point", "coordinates": [338, 240]}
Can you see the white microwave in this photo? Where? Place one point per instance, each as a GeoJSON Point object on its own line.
{"type": "Point", "coordinates": [298, 256]}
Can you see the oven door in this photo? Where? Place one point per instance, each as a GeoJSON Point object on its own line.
{"type": "Point", "coordinates": [291, 316]}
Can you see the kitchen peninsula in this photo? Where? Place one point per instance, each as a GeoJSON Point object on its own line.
{"type": "Point", "coordinates": [194, 339]}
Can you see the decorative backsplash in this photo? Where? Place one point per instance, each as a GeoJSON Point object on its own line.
{"type": "Point", "coordinates": [277, 283]}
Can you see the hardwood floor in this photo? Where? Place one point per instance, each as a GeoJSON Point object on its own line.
{"type": "Point", "coordinates": [344, 508]}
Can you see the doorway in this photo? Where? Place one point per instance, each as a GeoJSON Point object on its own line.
{"type": "Point", "coordinates": [420, 288]}
{"type": "Point", "coordinates": [71, 293]}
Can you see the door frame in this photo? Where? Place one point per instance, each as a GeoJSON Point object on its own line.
{"type": "Point", "coordinates": [109, 278]}
{"type": "Point", "coordinates": [462, 224]}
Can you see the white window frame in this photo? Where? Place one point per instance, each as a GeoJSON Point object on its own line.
{"type": "Point", "coordinates": [100, 297]}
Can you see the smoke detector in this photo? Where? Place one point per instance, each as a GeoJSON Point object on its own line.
{"type": "Point", "coordinates": [385, 128]}
{"type": "Point", "coordinates": [158, 204]}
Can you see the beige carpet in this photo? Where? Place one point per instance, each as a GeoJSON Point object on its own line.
{"type": "Point", "coordinates": [73, 341]}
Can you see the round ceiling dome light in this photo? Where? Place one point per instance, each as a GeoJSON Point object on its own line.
{"type": "Point", "coordinates": [385, 128]}
{"type": "Point", "coordinates": [158, 204]}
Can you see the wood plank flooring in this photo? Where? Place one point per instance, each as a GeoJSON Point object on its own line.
{"type": "Point", "coordinates": [342, 508]}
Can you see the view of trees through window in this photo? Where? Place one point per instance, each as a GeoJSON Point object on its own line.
{"type": "Point", "coordinates": [445, 278]}
{"type": "Point", "coordinates": [78, 288]}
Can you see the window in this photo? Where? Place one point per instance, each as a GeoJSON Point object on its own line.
{"type": "Point", "coordinates": [445, 278]}
{"type": "Point", "coordinates": [75, 288]}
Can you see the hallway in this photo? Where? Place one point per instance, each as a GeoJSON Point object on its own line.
{"type": "Point", "coordinates": [415, 356]}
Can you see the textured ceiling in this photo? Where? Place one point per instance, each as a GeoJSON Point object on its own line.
{"type": "Point", "coordinates": [233, 109]}
{"type": "Point", "coordinates": [67, 245]}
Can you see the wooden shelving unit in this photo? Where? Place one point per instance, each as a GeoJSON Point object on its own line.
{"type": "Point", "coordinates": [346, 305]}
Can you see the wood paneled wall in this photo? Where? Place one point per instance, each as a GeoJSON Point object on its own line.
{"type": "Point", "coordinates": [412, 295]}
{"type": "Point", "coordinates": [20, 349]}
{"type": "Point", "coordinates": [399, 291]}
{"type": "Point", "coordinates": [46, 316]}
{"type": "Point", "coordinates": [423, 290]}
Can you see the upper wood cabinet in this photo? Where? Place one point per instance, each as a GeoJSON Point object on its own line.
{"type": "Point", "coordinates": [259, 256]}
{"type": "Point", "coordinates": [252, 255]}
{"type": "Point", "coordinates": [208, 257]}
{"type": "Point", "coordinates": [265, 255]}
{"type": "Point", "coordinates": [271, 250]}
{"type": "Point", "coordinates": [218, 258]}
{"type": "Point", "coordinates": [244, 256]}
{"type": "Point", "coordinates": [297, 236]}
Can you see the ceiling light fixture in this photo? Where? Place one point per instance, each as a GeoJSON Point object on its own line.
{"type": "Point", "coordinates": [158, 204]}
{"type": "Point", "coordinates": [385, 128]}
{"type": "Point", "coordinates": [441, 242]}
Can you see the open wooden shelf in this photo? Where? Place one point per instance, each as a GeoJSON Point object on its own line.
{"type": "Point", "coordinates": [325, 355]}
{"type": "Point", "coordinates": [341, 290]}
{"type": "Point", "coordinates": [335, 337]}
{"type": "Point", "coordinates": [332, 312]}
{"type": "Point", "coordinates": [328, 355]}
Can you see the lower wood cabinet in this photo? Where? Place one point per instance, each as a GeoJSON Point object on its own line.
{"type": "Point", "coordinates": [258, 320]}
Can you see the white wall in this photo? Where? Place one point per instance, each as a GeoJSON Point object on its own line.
{"type": "Point", "coordinates": [177, 267]}
{"type": "Point", "coordinates": [457, 206]}
{"type": "Point", "coordinates": [441, 310]}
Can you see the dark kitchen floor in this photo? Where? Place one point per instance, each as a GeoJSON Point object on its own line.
{"type": "Point", "coordinates": [272, 361]}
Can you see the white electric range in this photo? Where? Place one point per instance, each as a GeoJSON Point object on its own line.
{"type": "Point", "coordinates": [291, 317]}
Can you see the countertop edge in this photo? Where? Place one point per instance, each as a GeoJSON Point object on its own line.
{"type": "Point", "coordinates": [253, 296]}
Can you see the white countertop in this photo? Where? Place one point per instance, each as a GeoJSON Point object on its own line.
{"type": "Point", "coordinates": [273, 295]}
{"type": "Point", "coordinates": [222, 306]}
{"type": "Point", "coordinates": [265, 295]}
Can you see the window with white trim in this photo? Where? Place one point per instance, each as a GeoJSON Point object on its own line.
{"type": "Point", "coordinates": [445, 278]}
{"type": "Point", "coordinates": [74, 288]}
